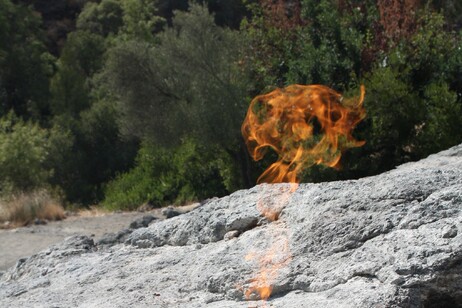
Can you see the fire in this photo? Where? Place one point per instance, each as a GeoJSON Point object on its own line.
{"type": "Point", "coordinates": [270, 206]}
{"type": "Point", "coordinates": [278, 255]}
{"type": "Point", "coordinates": [270, 263]}
{"type": "Point", "coordinates": [304, 125]}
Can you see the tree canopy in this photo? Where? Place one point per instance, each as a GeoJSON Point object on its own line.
{"type": "Point", "coordinates": [131, 102]}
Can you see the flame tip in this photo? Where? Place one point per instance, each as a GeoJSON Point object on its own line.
{"type": "Point", "coordinates": [303, 126]}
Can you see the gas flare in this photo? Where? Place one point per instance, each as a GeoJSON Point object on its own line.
{"type": "Point", "coordinates": [304, 125]}
{"type": "Point", "coordinates": [270, 263]}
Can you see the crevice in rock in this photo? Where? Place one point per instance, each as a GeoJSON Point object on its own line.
{"type": "Point", "coordinates": [250, 226]}
{"type": "Point", "coordinates": [443, 291]}
{"type": "Point", "coordinates": [438, 299]}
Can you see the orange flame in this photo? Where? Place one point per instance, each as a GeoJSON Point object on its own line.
{"type": "Point", "coordinates": [270, 262]}
{"type": "Point", "coordinates": [305, 125]}
{"type": "Point", "coordinates": [271, 206]}
{"type": "Point", "coordinates": [278, 255]}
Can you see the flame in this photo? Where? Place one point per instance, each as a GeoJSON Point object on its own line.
{"type": "Point", "coordinates": [270, 262]}
{"type": "Point", "coordinates": [278, 255]}
{"type": "Point", "coordinates": [304, 125]}
{"type": "Point", "coordinates": [270, 206]}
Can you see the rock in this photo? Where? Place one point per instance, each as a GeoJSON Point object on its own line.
{"type": "Point", "coordinates": [142, 222]}
{"type": "Point", "coordinates": [390, 240]}
{"type": "Point", "coordinates": [170, 212]}
{"type": "Point", "coordinates": [115, 238]}
{"type": "Point", "coordinates": [38, 221]}
{"type": "Point", "coordinates": [230, 235]}
{"type": "Point", "coordinates": [119, 237]}
{"type": "Point", "coordinates": [450, 231]}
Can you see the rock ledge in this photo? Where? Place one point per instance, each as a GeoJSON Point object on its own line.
{"type": "Point", "coordinates": [392, 240]}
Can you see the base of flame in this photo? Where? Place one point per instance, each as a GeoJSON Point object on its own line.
{"type": "Point", "coordinates": [270, 262]}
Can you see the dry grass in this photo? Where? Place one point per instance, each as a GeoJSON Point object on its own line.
{"type": "Point", "coordinates": [24, 208]}
{"type": "Point", "coordinates": [93, 211]}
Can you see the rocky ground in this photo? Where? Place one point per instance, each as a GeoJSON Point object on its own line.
{"type": "Point", "coordinates": [22, 242]}
{"type": "Point", "coordinates": [392, 240]}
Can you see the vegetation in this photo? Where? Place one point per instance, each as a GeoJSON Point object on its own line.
{"type": "Point", "coordinates": [142, 101]}
{"type": "Point", "coordinates": [23, 209]}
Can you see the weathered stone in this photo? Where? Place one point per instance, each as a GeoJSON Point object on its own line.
{"type": "Point", "coordinates": [115, 238]}
{"type": "Point", "coordinates": [38, 221]}
{"type": "Point", "coordinates": [142, 222]}
{"type": "Point", "coordinates": [391, 240]}
{"type": "Point", "coordinates": [450, 231]}
{"type": "Point", "coordinates": [170, 212]}
{"type": "Point", "coordinates": [122, 235]}
{"type": "Point", "coordinates": [231, 234]}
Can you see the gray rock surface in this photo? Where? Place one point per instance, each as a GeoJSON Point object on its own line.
{"type": "Point", "coordinates": [170, 212]}
{"type": "Point", "coordinates": [122, 235]}
{"type": "Point", "coordinates": [142, 222]}
{"type": "Point", "coordinates": [392, 240]}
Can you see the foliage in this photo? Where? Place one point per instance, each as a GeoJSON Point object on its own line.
{"type": "Point", "coordinates": [102, 18]}
{"type": "Point", "coordinates": [412, 111]}
{"type": "Point", "coordinates": [25, 150]}
{"type": "Point", "coordinates": [161, 177]}
{"type": "Point", "coordinates": [187, 84]}
{"type": "Point", "coordinates": [141, 19]}
{"type": "Point", "coordinates": [81, 104]}
{"type": "Point", "coordinates": [403, 65]}
{"type": "Point", "coordinates": [25, 64]}
{"type": "Point", "coordinates": [124, 19]}
{"type": "Point", "coordinates": [139, 76]}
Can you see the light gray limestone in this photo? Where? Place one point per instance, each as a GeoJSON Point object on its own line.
{"type": "Point", "coordinates": [392, 240]}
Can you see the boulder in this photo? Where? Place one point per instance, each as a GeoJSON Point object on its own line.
{"type": "Point", "coordinates": [122, 235]}
{"type": "Point", "coordinates": [142, 222]}
{"type": "Point", "coordinates": [170, 212]}
{"type": "Point", "coordinates": [391, 240]}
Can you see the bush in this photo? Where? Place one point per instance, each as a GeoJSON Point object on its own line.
{"type": "Point", "coordinates": [23, 208]}
{"type": "Point", "coordinates": [24, 149]}
{"type": "Point", "coordinates": [29, 155]}
{"type": "Point", "coordinates": [187, 173]}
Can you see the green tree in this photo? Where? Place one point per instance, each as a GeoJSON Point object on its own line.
{"type": "Point", "coordinates": [141, 19]}
{"type": "Point", "coordinates": [83, 106]}
{"type": "Point", "coordinates": [25, 64]}
{"type": "Point", "coordinates": [412, 99]}
{"type": "Point", "coordinates": [103, 18]}
{"type": "Point", "coordinates": [189, 84]}
{"type": "Point", "coordinates": [122, 19]}
{"type": "Point", "coordinates": [81, 58]}
{"type": "Point", "coordinates": [27, 154]}
{"type": "Point", "coordinates": [189, 172]}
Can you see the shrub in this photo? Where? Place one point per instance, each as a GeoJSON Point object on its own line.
{"type": "Point", "coordinates": [29, 154]}
{"type": "Point", "coordinates": [24, 150]}
{"type": "Point", "coordinates": [23, 208]}
{"type": "Point", "coordinates": [162, 176]}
